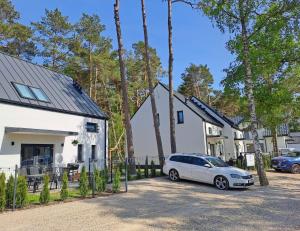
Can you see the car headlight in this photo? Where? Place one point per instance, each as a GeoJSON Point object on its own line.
{"type": "Point", "coordinates": [236, 176]}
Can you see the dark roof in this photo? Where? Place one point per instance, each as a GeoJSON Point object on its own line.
{"type": "Point", "coordinates": [197, 102]}
{"type": "Point", "coordinates": [202, 113]}
{"type": "Point", "coordinates": [59, 88]}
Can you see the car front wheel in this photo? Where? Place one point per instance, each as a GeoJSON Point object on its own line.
{"type": "Point", "coordinates": [296, 168]}
{"type": "Point", "coordinates": [221, 182]}
{"type": "Point", "coordinates": [173, 175]}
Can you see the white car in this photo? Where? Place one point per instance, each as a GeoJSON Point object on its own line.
{"type": "Point", "coordinates": [206, 169]}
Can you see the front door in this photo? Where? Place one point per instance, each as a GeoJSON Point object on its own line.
{"type": "Point", "coordinates": [36, 154]}
{"type": "Point", "coordinates": [212, 150]}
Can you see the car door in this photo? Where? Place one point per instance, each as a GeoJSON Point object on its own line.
{"type": "Point", "coordinates": [198, 171]}
{"type": "Point", "coordinates": [183, 166]}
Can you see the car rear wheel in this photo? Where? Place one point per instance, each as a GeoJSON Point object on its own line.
{"type": "Point", "coordinates": [221, 182]}
{"type": "Point", "coordinates": [296, 168]}
{"type": "Point", "coordinates": [173, 175]}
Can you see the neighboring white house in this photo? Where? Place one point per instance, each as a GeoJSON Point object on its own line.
{"type": "Point", "coordinates": [285, 138]}
{"type": "Point", "coordinates": [199, 129]}
{"type": "Point", "coordinates": [43, 115]}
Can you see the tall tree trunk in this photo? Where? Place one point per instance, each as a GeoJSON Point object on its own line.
{"type": "Point", "coordinates": [90, 71]}
{"type": "Point", "coordinates": [251, 104]}
{"type": "Point", "coordinates": [125, 106]}
{"type": "Point", "coordinates": [151, 92]}
{"type": "Point", "coordinates": [95, 84]}
{"type": "Point", "coordinates": [171, 103]}
{"type": "Point", "coordinates": [274, 141]}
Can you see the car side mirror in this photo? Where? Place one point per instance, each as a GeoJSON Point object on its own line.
{"type": "Point", "coordinates": [207, 166]}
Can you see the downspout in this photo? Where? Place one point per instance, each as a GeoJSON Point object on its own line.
{"type": "Point", "coordinates": [105, 144]}
{"type": "Point", "coordinates": [206, 144]}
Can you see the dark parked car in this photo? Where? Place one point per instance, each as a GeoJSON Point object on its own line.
{"type": "Point", "coordinates": [289, 162]}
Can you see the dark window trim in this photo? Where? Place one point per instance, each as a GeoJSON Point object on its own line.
{"type": "Point", "coordinates": [94, 124]}
{"type": "Point", "coordinates": [31, 91]}
{"type": "Point", "coordinates": [93, 152]}
{"type": "Point", "coordinates": [20, 94]}
{"type": "Point", "coordinates": [81, 157]}
{"type": "Point", "coordinates": [180, 122]}
{"type": "Point", "coordinates": [45, 101]}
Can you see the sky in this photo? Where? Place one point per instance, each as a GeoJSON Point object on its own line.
{"type": "Point", "coordinates": [195, 40]}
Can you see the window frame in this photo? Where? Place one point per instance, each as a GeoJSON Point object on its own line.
{"type": "Point", "coordinates": [93, 152]}
{"type": "Point", "coordinates": [80, 147]}
{"type": "Point", "coordinates": [20, 93]}
{"type": "Point", "coordinates": [180, 121]}
{"type": "Point", "coordinates": [94, 130]}
{"type": "Point", "coordinates": [34, 95]}
{"type": "Point", "coordinates": [43, 93]}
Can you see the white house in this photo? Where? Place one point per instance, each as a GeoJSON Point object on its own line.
{"type": "Point", "coordinates": [45, 118]}
{"type": "Point", "coordinates": [199, 129]}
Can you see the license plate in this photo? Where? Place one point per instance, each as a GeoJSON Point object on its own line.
{"type": "Point", "coordinates": [274, 166]}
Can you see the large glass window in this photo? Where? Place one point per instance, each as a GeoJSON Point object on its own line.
{"type": "Point", "coordinates": [24, 91]}
{"type": "Point", "coordinates": [39, 94]}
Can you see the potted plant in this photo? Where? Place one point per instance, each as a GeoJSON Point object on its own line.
{"type": "Point", "coordinates": [75, 142]}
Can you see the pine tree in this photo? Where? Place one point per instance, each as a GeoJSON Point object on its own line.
{"type": "Point", "coordinates": [10, 192]}
{"type": "Point", "coordinates": [52, 33]}
{"type": "Point", "coordinates": [2, 192]}
{"type": "Point", "coordinates": [21, 195]}
{"type": "Point", "coordinates": [83, 183]}
{"type": "Point", "coordinates": [64, 192]}
{"type": "Point", "coordinates": [116, 185]}
{"type": "Point", "coordinates": [45, 193]}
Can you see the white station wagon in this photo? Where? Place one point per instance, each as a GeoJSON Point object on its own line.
{"type": "Point", "coordinates": [206, 169]}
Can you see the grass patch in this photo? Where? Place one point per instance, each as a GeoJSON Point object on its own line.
{"type": "Point", "coordinates": [33, 198]}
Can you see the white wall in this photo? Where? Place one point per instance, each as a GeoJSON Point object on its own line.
{"type": "Point", "coordinates": [189, 136]}
{"type": "Point", "coordinates": [22, 117]}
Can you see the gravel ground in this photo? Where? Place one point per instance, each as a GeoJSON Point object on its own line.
{"type": "Point", "coordinates": [158, 204]}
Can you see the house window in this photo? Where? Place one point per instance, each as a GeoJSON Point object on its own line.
{"type": "Point", "coordinates": [209, 130]}
{"type": "Point", "coordinates": [23, 91]}
{"type": "Point", "coordinates": [180, 118]}
{"type": "Point", "coordinates": [80, 153]}
{"type": "Point", "coordinates": [93, 152]}
{"type": "Point", "coordinates": [91, 127]}
{"type": "Point", "coordinates": [39, 94]}
{"type": "Point", "coordinates": [28, 92]}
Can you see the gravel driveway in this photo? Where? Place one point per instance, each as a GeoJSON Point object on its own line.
{"type": "Point", "coordinates": [158, 204]}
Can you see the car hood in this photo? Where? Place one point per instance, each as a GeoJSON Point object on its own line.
{"type": "Point", "coordinates": [233, 170]}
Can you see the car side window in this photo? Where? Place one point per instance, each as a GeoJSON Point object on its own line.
{"type": "Point", "coordinates": [198, 161]}
{"type": "Point", "coordinates": [176, 158]}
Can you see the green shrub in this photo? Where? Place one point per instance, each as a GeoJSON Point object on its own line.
{"type": "Point", "coordinates": [64, 192]}
{"type": "Point", "coordinates": [83, 183]}
{"type": "Point", "coordinates": [45, 193]}
{"type": "Point", "coordinates": [104, 179]}
{"type": "Point", "coordinates": [267, 161]}
{"type": "Point", "coordinates": [2, 192]}
{"type": "Point", "coordinates": [153, 170]}
{"type": "Point", "coordinates": [116, 185]}
{"type": "Point", "coordinates": [21, 195]}
{"type": "Point", "coordinates": [139, 172]}
{"type": "Point", "coordinates": [10, 192]}
{"type": "Point", "coordinates": [146, 171]}
{"type": "Point", "coordinates": [100, 181]}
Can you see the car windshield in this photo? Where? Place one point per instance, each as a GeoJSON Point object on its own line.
{"type": "Point", "coordinates": [216, 162]}
{"type": "Point", "coordinates": [292, 154]}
